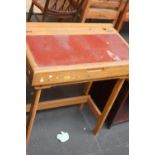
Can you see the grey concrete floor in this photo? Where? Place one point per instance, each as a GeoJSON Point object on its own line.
{"type": "Point", "coordinates": [78, 123]}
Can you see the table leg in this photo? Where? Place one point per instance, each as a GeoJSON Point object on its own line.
{"type": "Point", "coordinates": [108, 105]}
{"type": "Point", "coordinates": [32, 115]}
{"type": "Point", "coordinates": [86, 91]}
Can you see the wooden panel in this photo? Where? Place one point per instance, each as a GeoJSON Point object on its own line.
{"type": "Point", "coordinates": [58, 50]}
{"type": "Point", "coordinates": [67, 28]}
{"type": "Point", "coordinates": [81, 75]}
{"type": "Point", "coordinates": [104, 3]}
{"type": "Point", "coordinates": [102, 13]}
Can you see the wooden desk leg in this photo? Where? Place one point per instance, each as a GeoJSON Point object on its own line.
{"type": "Point", "coordinates": [32, 115]}
{"type": "Point", "coordinates": [108, 105]}
{"type": "Point", "coordinates": [86, 91]}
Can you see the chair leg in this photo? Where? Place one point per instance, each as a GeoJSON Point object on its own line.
{"type": "Point", "coordinates": [30, 13]}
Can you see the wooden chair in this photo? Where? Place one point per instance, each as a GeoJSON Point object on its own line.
{"type": "Point", "coordinates": [124, 16]}
{"type": "Point", "coordinates": [56, 8]}
{"type": "Point", "coordinates": [101, 9]}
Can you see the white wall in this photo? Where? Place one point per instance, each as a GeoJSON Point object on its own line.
{"type": "Point", "coordinates": [28, 4]}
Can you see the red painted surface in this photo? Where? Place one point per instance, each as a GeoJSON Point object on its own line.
{"type": "Point", "coordinates": [76, 49]}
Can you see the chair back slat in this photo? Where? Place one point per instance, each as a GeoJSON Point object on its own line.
{"type": "Point", "coordinates": [64, 5]}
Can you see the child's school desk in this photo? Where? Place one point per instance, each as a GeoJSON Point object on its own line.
{"type": "Point", "coordinates": [69, 53]}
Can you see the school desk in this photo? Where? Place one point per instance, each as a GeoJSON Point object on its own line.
{"type": "Point", "coordinates": [70, 53]}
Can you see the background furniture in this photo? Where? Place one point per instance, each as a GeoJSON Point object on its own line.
{"type": "Point", "coordinates": [101, 9]}
{"type": "Point", "coordinates": [56, 8]}
{"type": "Point", "coordinates": [116, 11]}
{"type": "Point", "coordinates": [124, 16]}
{"type": "Point", "coordinates": [109, 10]}
{"type": "Point", "coordinates": [120, 111]}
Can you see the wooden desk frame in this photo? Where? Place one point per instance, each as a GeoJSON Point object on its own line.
{"type": "Point", "coordinates": [103, 71]}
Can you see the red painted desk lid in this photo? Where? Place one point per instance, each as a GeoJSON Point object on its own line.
{"type": "Point", "coordinates": [58, 50]}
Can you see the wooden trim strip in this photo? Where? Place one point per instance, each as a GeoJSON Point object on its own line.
{"type": "Point", "coordinates": [47, 26]}
{"type": "Point", "coordinates": [69, 29]}
{"type": "Point", "coordinates": [79, 82]}
{"type": "Point", "coordinates": [82, 66]}
{"type": "Point", "coordinates": [59, 103]}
